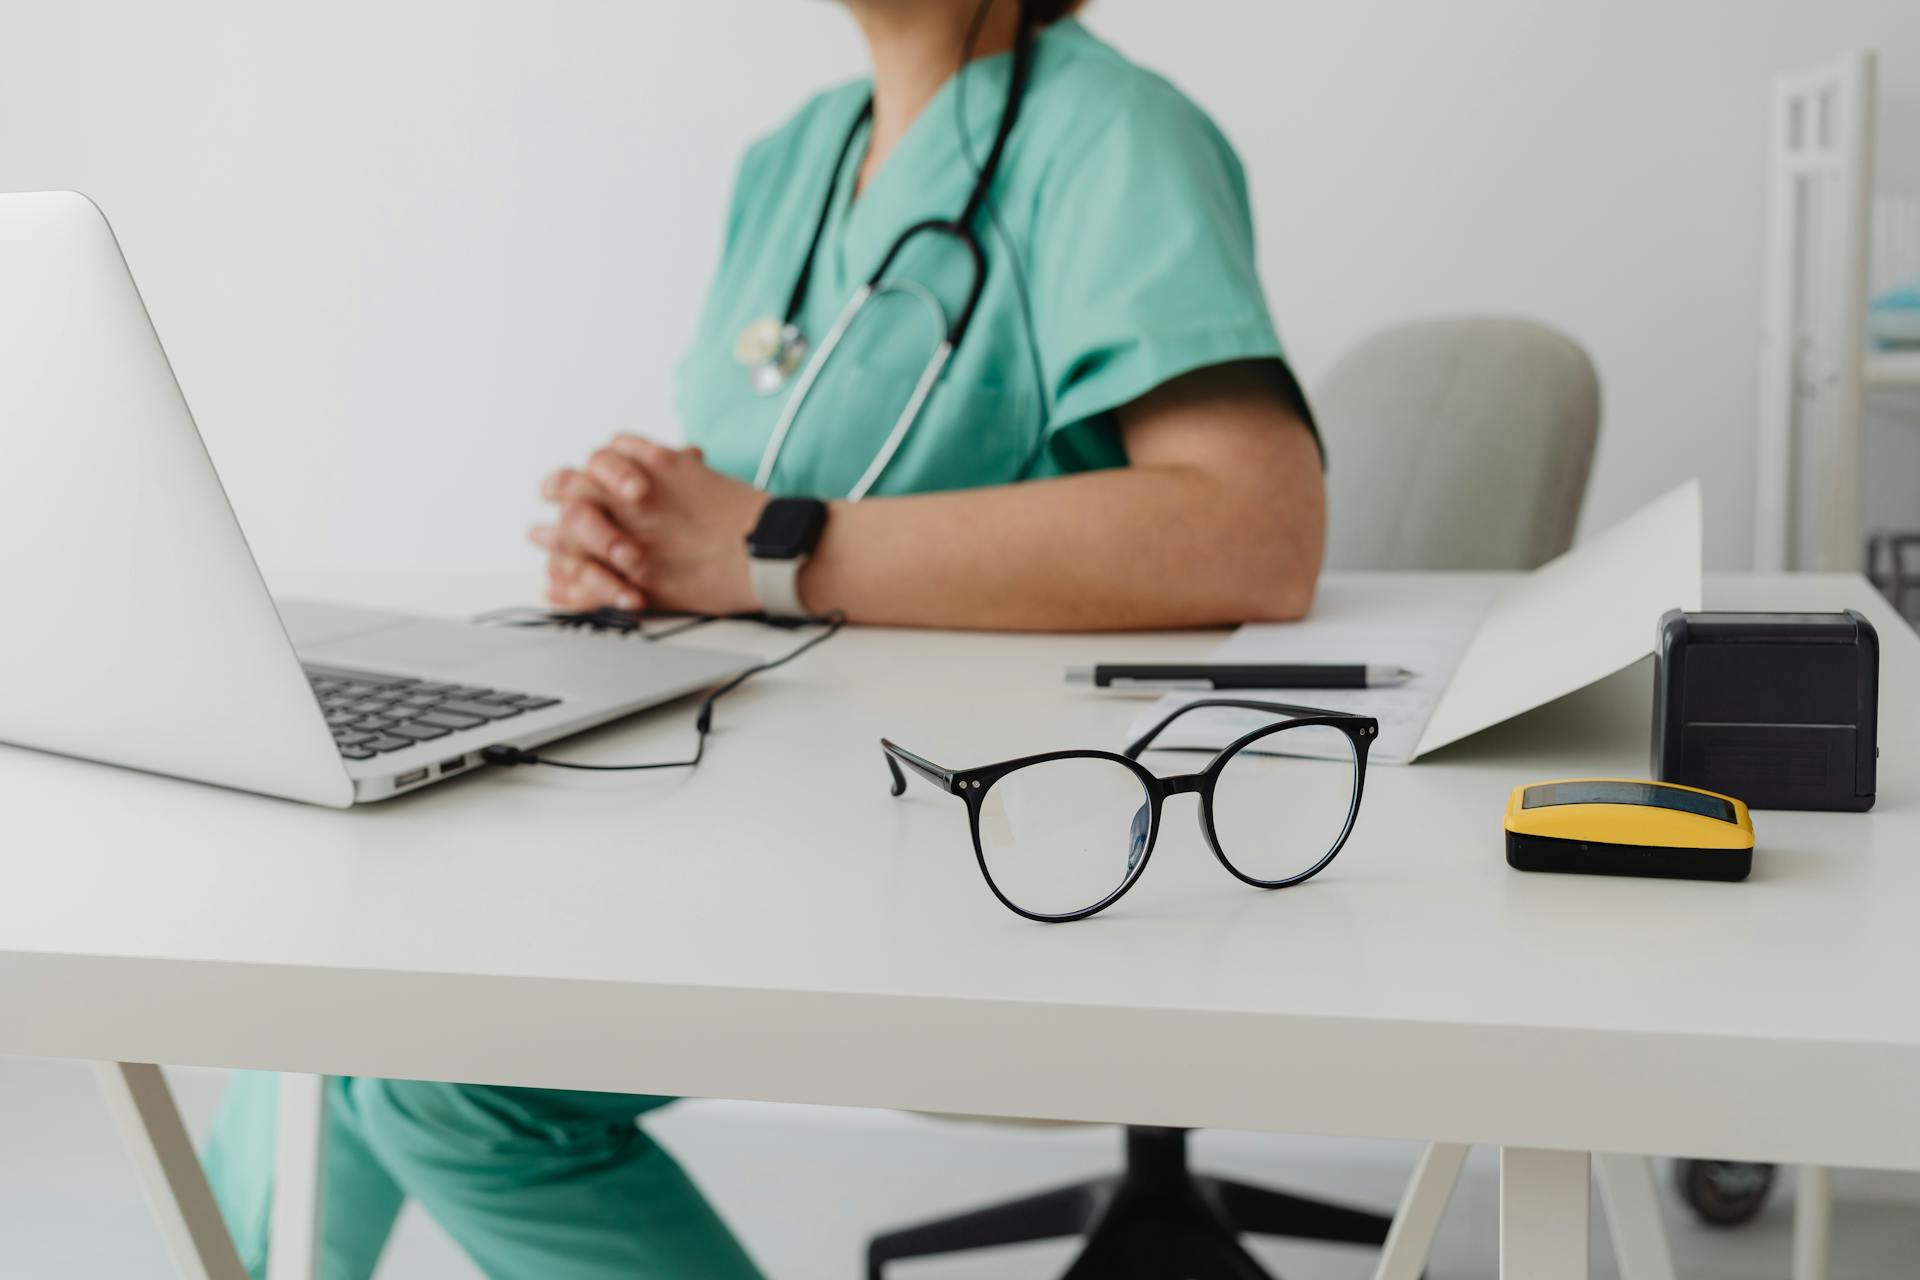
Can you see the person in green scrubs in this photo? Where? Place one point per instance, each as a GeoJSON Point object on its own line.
{"type": "Point", "coordinates": [1117, 442]}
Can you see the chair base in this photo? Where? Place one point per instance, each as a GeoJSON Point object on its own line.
{"type": "Point", "coordinates": [1156, 1220]}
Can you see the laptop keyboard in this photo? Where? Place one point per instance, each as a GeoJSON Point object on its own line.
{"type": "Point", "coordinates": [371, 714]}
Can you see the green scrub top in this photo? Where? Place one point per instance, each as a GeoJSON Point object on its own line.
{"type": "Point", "coordinates": [1119, 255]}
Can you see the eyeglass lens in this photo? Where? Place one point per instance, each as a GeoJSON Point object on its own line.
{"type": "Point", "coordinates": [1060, 836]}
{"type": "Point", "coordinates": [1280, 804]}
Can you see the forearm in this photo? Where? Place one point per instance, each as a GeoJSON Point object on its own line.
{"type": "Point", "coordinates": [1219, 517]}
{"type": "Point", "coordinates": [1136, 547]}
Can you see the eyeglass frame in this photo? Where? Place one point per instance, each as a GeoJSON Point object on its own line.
{"type": "Point", "coordinates": [973, 785]}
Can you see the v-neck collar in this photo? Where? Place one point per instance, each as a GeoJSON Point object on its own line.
{"type": "Point", "coordinates": [926, 172]}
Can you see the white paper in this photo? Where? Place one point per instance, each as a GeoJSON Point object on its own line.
{"type": "Point", "coordinates": [1576, 619]}
{"type": "Point", "coordinates": [1483, 652]}
{"type": "Point", "coordinates": [1418, 621]}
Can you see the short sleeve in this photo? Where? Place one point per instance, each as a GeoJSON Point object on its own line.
{"type": "Point", "coordinates": [1143, 268]}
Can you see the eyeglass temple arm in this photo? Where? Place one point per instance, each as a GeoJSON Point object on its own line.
{"type": "Point", "coordinates": [898, 755]}
{"type": "Point", "coordinates": [1145, 740]}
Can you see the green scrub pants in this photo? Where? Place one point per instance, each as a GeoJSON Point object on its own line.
{"type": "Point", "coordinates": [535, 1184]}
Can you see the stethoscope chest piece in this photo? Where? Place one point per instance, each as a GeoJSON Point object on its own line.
{"type": "Point", "coordinates": [771, 351]}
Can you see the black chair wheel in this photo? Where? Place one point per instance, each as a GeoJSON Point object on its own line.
{"type": "Point", "coordinates": [1723, 1193]}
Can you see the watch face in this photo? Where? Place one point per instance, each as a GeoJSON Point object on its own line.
{"type": "Point", "coordinates": [788, 529]}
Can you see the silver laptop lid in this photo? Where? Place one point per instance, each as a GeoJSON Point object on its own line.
{"type": "Point", "coordinates": [137, 629]}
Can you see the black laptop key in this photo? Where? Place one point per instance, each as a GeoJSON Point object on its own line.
{"type": "Point", "coordinates": [414, 729]}
{"type": "Point", "coordinates": [448, 719]}
{"type": "Point", "coordinates": [386, 742]}
{"type": "Point", "coordinates": [350, 737]}
{"type": "Point", "coordinates": [356, 753]}
{"type": "Point", "coordinates": [373, 723]}
{"type": "Point", "coordinates": [485, 710]}
{"type": "Point", "coordinates": [534, 704]}
{"type": "Point", "coordinates": [338, 718]}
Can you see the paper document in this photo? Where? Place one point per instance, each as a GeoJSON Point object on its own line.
{"type": "Point", "coordinates": [1483, 651]}
{"type": "Point", "coordinates": [1419, 621]}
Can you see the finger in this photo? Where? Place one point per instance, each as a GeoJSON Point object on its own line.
{"type": "Point", "coordinates": [605, 588]}
{"type": "Point", "coordinates": [588, 528]}
{"type": "Point", "coordinates": [654, 457]}
{"type": "Point", "coordinates": [581, 487]}
{"type": "Point", "coordinates": [619, 475]}
{"type": "Point", "coordinates": [574, 593]}
{"type": "Point", "coordinates": [569, 592]}
{"type": "Point", "coordinates": [564, 560]}
{"type": "Point", "coordinates": [590, 578]}
{"type": "Point", "coordinates": [566, 595]}
{"type": "Point", "coordinates": [569, 485]}
{"type": "Point", "coordinates": [571, 573]}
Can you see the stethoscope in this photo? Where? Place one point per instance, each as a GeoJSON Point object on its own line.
{"type": "Point", "coordinates": [773, 350]}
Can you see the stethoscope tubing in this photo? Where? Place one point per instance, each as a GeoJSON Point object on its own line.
{"type": "Point", "coordinates": [923, 388]}
{"type": "Point", "coordinates": [952, 328]}
{"type": "Point", "coordinates": [791, 410]}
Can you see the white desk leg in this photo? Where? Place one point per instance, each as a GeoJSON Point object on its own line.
{"type": "Point", "coordinates": [1812, 1222]}
{"type": "Point", "coordinates": [295, 1250]}
{"type": "Point", "coordinates": [190, 1224]}
{"type": "Point", "coordinates": [1410, 1240]}
{"type": "Point", "coordinates": [1633, 1216]}
{"type": "Point", "coordinates": [1543, 1214]}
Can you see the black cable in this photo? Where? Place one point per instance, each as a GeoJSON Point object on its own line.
{"type": "Point", "coordinates": [621, 621]}
{"type": "Point", "coordinates": [703, 721]}
{"type": "Point", "coordinates": [626, 622]}
{"type": "Point", "coordinates": [698, 620]}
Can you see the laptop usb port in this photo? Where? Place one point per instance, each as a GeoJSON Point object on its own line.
{"type": "Point", "coordinates": [411, 777]}
{"type": "Point", "coordinates": [454, 765]}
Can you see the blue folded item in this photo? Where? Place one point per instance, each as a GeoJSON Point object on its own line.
{"type": "Point", "coordinates": [1894, 319]}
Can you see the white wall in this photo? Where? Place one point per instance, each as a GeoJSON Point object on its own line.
{"type": "Point", "coordinates": [408, 255]}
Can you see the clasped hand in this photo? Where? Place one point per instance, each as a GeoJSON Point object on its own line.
{"type": "Point", "coordinates": [646, 526]}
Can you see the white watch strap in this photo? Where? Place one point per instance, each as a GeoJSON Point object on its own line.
{"type": "Point", "coordinates": [776, 585]}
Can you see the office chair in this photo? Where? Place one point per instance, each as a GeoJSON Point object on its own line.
{"type": "Point", "coordinates": [1452, 444]}
{"type": "Point", "coordinates": [1155, 1220]}
{"type": "Point", "coordinates": [1457, 443]}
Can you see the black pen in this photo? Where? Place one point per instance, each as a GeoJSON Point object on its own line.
{"type": "Point", "coordinates": [1236, 675]}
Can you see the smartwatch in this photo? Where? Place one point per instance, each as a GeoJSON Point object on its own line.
{"type": "Point", "coordinates": [779, 545]}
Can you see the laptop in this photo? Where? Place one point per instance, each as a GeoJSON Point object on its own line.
{"type": "Point", "coordinates": [138, 631]}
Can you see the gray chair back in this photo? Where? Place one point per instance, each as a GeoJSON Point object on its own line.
{"type": "Point", "coordinates": [1460, 443]}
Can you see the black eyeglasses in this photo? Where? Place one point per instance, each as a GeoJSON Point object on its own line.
{"type": "Point", "coordinates": [1063, 835]}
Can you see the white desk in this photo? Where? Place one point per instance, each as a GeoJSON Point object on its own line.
{"type": "Point", "coordinates": [775, 926]}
